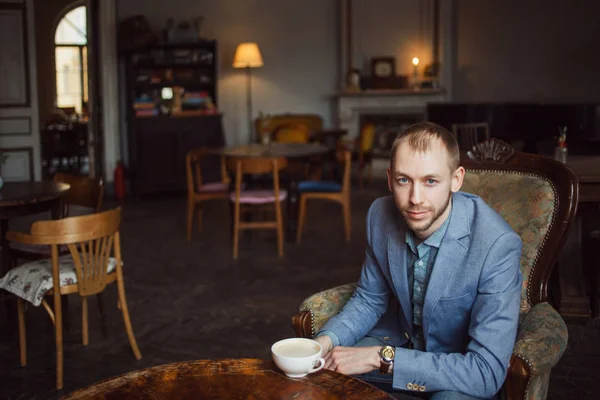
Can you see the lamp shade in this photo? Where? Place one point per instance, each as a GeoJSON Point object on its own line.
{"type": "Point", "coordinates": [247, 55]}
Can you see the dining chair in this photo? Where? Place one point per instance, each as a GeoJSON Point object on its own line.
{"type": "Point", "coordinates": [197, 190]}
{"type": "Point", "coordinates": [328, 190]}
{"type": "Point", "coordinates": [469, 134]}
{"type": "Point", "coordinates": [291, 133]}
{"type": "Point", "coordinates": [94, 260]}
{"type": "Point", "coordinates": [538, 197]}
{"type": "Point", "coordinates": [362, 151]}
{"type": "Point", "coordinates": [257, 199]}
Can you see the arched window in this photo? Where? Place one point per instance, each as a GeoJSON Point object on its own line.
{"type": "Point", "coordinates": [70, 40]}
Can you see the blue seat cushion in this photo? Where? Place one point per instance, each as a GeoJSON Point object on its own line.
{"type": "Point", "coordinates": [319, 186]}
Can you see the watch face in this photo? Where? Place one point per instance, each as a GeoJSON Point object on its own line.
{"type": "Point", "coordinates": [388, 353]}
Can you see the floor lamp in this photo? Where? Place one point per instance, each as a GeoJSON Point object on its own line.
{"type": "Point", "coordinates": [247, 55]}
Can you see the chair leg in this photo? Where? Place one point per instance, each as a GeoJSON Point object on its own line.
{"type": "Point", "coordinates": [199, 217]}
{"type": "Point", "coordinates": [190, 218]}
{"type": "Point", "coordinates": [301, 219]}
{"type": "Point", "coordinates": [236, 230]}
{"type": "Point", "coordinates": [84, 321]}
{"type": "Point", "coordinates": [127, 321]}
{"type": "Point", "coordinates": [58, 327]}
{"type": "Point", "coordinates": [279, 229]}
{"type": "Point", "coordinates": [347, 216]}
{"type": "Point", "coordinates": [22, 332]}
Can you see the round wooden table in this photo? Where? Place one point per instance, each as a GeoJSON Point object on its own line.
{"type": "Point", "coordinates": [26, 198]}
{"type": "Point", "coordinates": [227, 379]}
{"type": "Point", "coordinates": [288, 150]}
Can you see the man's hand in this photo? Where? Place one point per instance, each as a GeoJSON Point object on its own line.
{"type": "Point", "coordinates": [353, 360]}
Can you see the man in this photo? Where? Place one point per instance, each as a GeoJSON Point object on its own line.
{"type": "Point", "coordinates": [436, 308]}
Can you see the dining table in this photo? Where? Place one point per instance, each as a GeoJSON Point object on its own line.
{"type": "Point", "coordinates": [291, 151]}
{"type": "Point", "coordinates": [244, 378]}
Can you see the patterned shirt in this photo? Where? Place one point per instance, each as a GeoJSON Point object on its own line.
{"type": "Point", "coordinates": [421, 258]}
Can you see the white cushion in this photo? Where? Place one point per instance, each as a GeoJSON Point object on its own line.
{"type": "Point", "coordinates": [32, 280]}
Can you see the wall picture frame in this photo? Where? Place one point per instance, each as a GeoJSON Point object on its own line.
{"type": "Point", "coordinates": [383, 67]}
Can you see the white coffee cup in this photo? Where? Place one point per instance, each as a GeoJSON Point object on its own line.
{"type": "Point", "coordinates": [298, 357]}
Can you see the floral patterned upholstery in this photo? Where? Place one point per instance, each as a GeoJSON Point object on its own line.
{"type": "Point", "coordinates": [32, 280]}
{"type": "Point", "coordinates": [541, 341]}
{"type": "Point", "coordinates": [326, 304]}
{"type": "Point", "coordinates": [527, 203]}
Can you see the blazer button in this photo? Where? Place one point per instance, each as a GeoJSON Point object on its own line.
{"type": "Point", "coordinates": [409, 386]}
{"type": "Point", "coordinates": [422, 388]}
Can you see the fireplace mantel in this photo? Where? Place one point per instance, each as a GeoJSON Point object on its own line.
{"type": "Point", "coordinates": [350, 105]}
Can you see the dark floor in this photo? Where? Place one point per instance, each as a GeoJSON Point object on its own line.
{"type": "Point", "coordinates": [192, 301]}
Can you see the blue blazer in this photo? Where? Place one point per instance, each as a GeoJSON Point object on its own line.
{"type": "Point", "coordinates": [471, 309]}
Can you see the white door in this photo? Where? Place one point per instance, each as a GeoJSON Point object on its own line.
{"type": "Point", "coordinates": [19, 125]}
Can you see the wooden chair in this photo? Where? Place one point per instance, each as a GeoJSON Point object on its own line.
{"type": "Point", "coordinates": [538, 197]}
{"type": "Point", "coordinates": [256, 198]}
{"type": "Point", "coordinates": [83, 192]}
{"type": "Point", "coordinates": [468, 135]}
{"type": "Point", "coordinates": [291, 133]}
{"type": "Point", "coordinates": [198, 191]}
{"type": "Point", "coordinates": [362, 148]}
{"type": "Point", "coordinates": [87, 270]}
{"type": "Point", "coordinates": [325, 190]}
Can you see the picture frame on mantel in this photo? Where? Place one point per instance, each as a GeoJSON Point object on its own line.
{"type": "Point", "coordinates": [383, 67]}
{"type": "Point", "coordinates": [383, 75]}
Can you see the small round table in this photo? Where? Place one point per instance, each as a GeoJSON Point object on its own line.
{"type": "Point", "coordinates": [26, 198]}
{"type": "Point", "coordinates": [227, 379]}
{"type": "Point", "coordinates": [289, 151]}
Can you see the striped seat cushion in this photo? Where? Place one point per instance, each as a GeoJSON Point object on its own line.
{"type": "Point", "coordinates": [319, 186]}
{"type": "Point", "coordinates": [258, 196]}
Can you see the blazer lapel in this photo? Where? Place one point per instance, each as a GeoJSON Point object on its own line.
{"type": "Point", "coordinates": [450, 254]}
{"type": "Point", "coordinates": [396, 249]}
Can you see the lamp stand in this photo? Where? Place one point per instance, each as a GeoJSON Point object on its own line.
{"type": "Point", "coordinates": [249, 105]}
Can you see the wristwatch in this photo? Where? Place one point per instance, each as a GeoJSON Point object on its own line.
{"type": "Point", "coordinates": [387, 354]}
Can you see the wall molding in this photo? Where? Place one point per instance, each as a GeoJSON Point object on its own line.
{"type": "Point", "coordinates": [25, 132]}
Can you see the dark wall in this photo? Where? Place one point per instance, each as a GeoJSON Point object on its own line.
{"type": "Point", "coordinates": [533, 50]}
{"type": "Point", "coordinates": [46, 14]}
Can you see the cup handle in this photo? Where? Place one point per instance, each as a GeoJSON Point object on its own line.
{"type": "Point", "coordinates": [321, 361]}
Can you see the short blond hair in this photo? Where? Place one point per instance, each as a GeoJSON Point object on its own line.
{"type": "Point", "coordinates": [420, 137]}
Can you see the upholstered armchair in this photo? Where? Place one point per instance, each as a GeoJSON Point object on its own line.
{"type": "Point", "coordinates": [538, 197]}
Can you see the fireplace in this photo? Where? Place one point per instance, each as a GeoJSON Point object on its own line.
{"type": "Point", "coordinates": [387, 127]}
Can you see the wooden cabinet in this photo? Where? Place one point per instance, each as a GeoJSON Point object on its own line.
{"type": "Point", "coordinates": [172, 108]}
{"type": "Point", "coordinates": [158, 147]}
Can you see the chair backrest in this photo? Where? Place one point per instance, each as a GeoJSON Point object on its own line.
{"type": "Point", "coordinates": [312, 122]}
{"type": "Point", "coordinates": [538, 198]}
{"type": "Point", "coordinates": [291, 133]}
{"type": "Point", "coordinates": [468, 135]}
{"type": "Point", "coordinates": [367, 138]}
{"type": "Point", "coordinates": [193, 170]}
{"type": "Point", "coordinates": [84, 191]}
{"type": "Point", "coordinates": [90, 239]}
{"type": "Point", "coordinates": [256, 165]}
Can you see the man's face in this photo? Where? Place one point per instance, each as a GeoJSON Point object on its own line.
{"type": "Point", "coordinates": [422, 184]}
